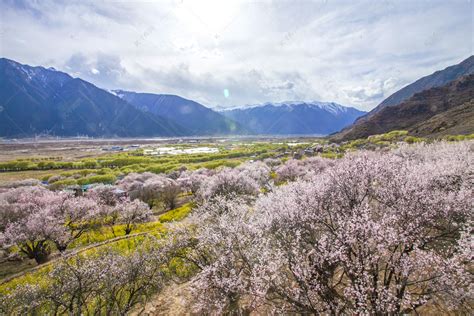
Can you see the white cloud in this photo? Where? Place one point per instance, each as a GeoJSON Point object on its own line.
{"type": "Point", "coordinates": [354, 53]}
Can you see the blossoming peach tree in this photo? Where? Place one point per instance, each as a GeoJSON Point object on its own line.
{"type": "Point", "coordinates": [370, 233]}
{"type": "Point", "coordinates": [34, 219]}
{"type": "Point", "coordinates": [375, 233]}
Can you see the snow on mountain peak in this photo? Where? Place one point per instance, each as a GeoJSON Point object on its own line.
{"type": "Point", "coordinates": [331, 107]}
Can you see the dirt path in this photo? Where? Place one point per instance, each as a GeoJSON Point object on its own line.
{"type": "Point", "coordinates": [172, 300]}
{"type": "Point", "coordinates": [57, 256]}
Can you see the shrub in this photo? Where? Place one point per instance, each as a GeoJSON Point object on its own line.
{"type": "Point", "coordinates": [59, 184]}
{"type": "Point", "coordinates": [412, 139]}
{"type": "Point", "coordinates": [106, 178]}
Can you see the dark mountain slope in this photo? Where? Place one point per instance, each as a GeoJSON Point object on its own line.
{"type": "Point", "coordinates": [289, 118]}
{"type": "Point", "coordinates": [92, 111]}
{"type": "Point", "coordinates": [456, 121]}
{"type": "Point", "coordinates": [437, 79]}
{"type": "Point", "coordinates": [36, 100]}
{"type": "Point", "coordinates": [197, 118]}
{"type": "Point", "coordinates": [434, 112]}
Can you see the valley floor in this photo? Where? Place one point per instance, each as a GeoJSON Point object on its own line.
{"type": "Point", "coordinates": [261, 175]}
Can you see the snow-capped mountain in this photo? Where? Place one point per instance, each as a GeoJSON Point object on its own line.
{"type": "Point", "coordinates": [293, 117]}
{"type": "Point", "coordinates": [38, 100]}
{"type": "Point", "coordinates": [46, 78]}
{"type": "Point", "coordinates": [329, 106]}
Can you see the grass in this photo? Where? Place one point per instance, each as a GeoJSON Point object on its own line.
{"type": "Point", "coordinates": [39, 275]}
{"type": "Point", "coordinates": [34, 277]}
{"type": "Point", "coordinates": [10, 176]}
{"type": "Point", "coordinates": [124, 159]}
{"type": "Point", "coordinates": [12, 267]}
{"type": "Point", "coordinates": [105, 233]}
{"type": "Point", "coordinates": [140, 235]}
{"type": "Point", "coordinates": [108, 168]}
{"type": "Point", "coordinates": [177, 214]}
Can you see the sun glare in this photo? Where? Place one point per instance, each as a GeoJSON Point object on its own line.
{"type": "Point", "coordinates": [208, 17]}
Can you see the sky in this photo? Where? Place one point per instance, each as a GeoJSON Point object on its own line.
{"type": "Point", "coordinates": [235, 53]}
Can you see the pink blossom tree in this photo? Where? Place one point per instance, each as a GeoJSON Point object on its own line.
{"type": "Point", "coordinates": [17, 203]}
{"type": "Point", "coordinates": [105, 194]}
{"type": "Point", "coordinates": [31, 235]}
{"type": "Point", "coordinates": [132, 212]}
{"type": "Point", "coordinates": [295, 169]}
{"type": "Point", "coordinates": [72, 218]}
{"type": "Point", "coordinates": [107, 283]}
{"type": "Point", "coordinates": [36, 217]}
{"type": "Point", "coordinates": [216, 244]}
{"type": "Point", "coordinates": [228, 182]}
{"type": "Point", "coordinates": [125, 212]}
{"type": "Point", "coordinates": [29, 220]}
{"type": "Point", "coordinates": [272, 162]}
{"type": "Point", "coordinates": [375, 233]}
{"type": "Point", "coordinates": [257, 171]}
{"type": "Point", "coordinates": [289, 171]}
{"type": "Point", "coordinates": [191, 181]}
{"type": "Point", "coordinates": [151, 188]}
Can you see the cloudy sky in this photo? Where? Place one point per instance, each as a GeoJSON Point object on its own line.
{"type": "Point", "coordinates": [226, 53]}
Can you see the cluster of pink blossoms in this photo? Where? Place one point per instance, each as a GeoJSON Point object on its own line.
{"type": "Point", "coordinates": [34, 218]}
{"type": "Point", "coordinates": [370, 233]}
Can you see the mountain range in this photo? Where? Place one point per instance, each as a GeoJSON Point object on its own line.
{"type": "Point", "coordinates": [292, 118]}
{"type": "Point", "coordinates": [435, 105]}
{"type": "Point", "coordinates": [36, 100]}
{"type": "Point", "coordinates": [44, 101]}
{"type": "Point", "coordinates": [198, 119]}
